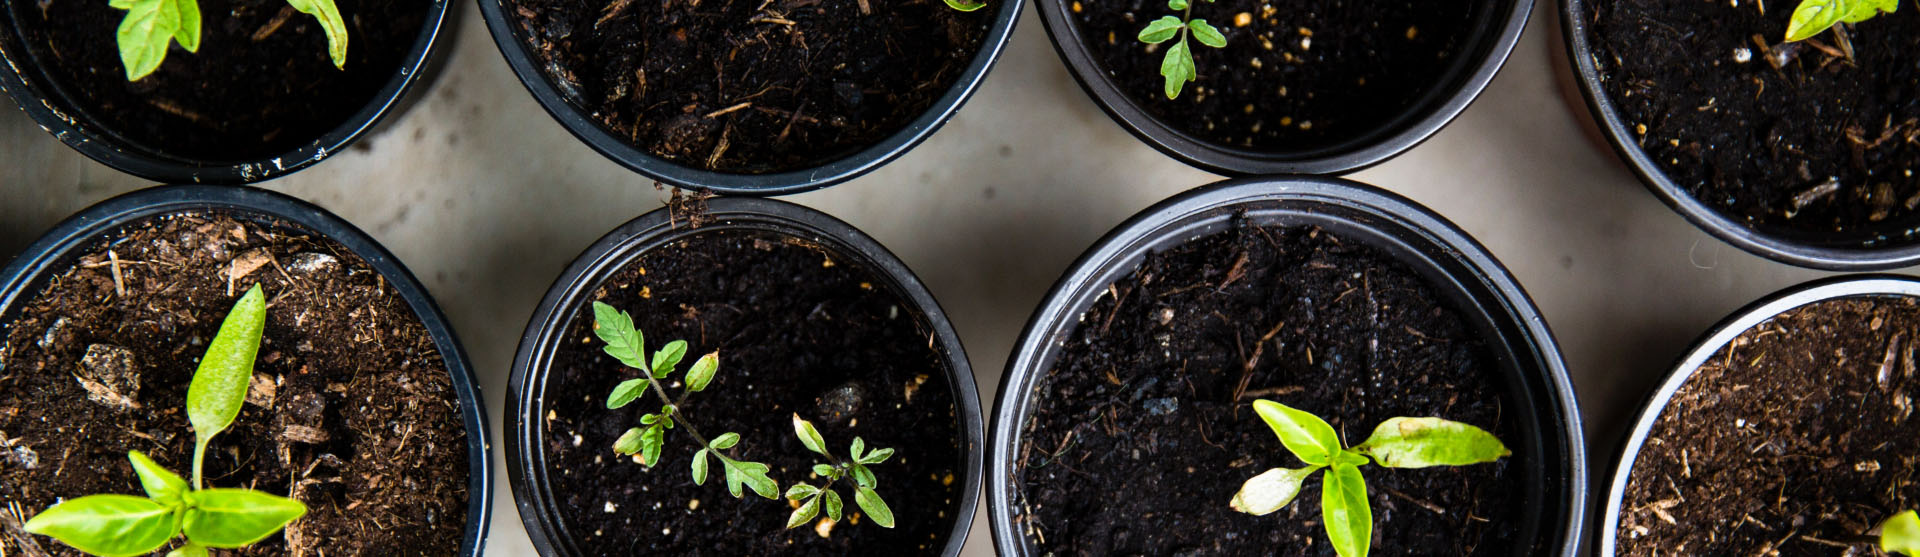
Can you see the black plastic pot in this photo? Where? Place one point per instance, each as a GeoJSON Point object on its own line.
{"type": "Point", "coordinates": [1794, 248]}
{"type": "Point", "coordinates": [59, 248]}
{"type": "Point", "coordinates": [578, 122]}
{"type": "Point", "coordinates": [1549, 433]}
{"type": "Point", "coordinates": [44, 98]}
{"type": "Point", "coordinates": [1495, 33]}
{"type": "Point", "coordinates": [526, 438]}
{"type": "Point", "coordinates": [1715, 339]}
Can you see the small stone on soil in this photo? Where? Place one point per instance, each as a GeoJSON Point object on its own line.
{"type": "Point", "coordinates": [310, 263]}
{"type": "Point", "coordinates": [58, 334]}
{"type": "Point", "coordinates": [110, 376]}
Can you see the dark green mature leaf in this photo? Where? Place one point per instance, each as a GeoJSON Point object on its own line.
{"type": "Point", "coordinates": [145, 32]}
{"type": "Point", "coordinates": [1270, 490]}
{"type": "Point", "coordinates": [1159, 30]}
{"type": "Point", "coordinates": [831, 502]}
{"type": "Point", "coordinates": [702, 372]}
{"type": "Point", "coordinates": [1206, 34]}
{"type": "Point", "coordinates": [805, 513]}
{"type": "Point", "coordinates": [725, 441]}
{"type": "Point", "coordinates": [1306, 435]}
{"type": "Point", "coordinates": [161, 484]}
{"type": "Point", "coordinates": [624, 342]}
{"type": "Point", "coordinates": [1901, 534]}
{"type": "Point", "coordinates": [876, 508]}
{"type": "Point", "coordinates": [229, 518]}
{"type": "Point", "coordinates": [700, 467]}
{"type": "Point", "coordinates": [629, 442]}
{"type": "Point", "coordinates": [668, 357]}
{"type": "Point", "coordinates": [626, 392]}
{"type": "Point", "coordinates": [808, 435]}
{"type": "Point", "coordinates": [219, 387]}
{"type": "Point", "coordinates": [965, 6]}
{"type": "Point", "coordinates": [1344, 508]}
{"type": "Point", "coordinates": [1423, 442]}
{"type": "Point", "coordinates": [1177, 68]}
{"type": "Point", "coordinates": [331, 22]}
{"type": "Point", "coordinates": [108, 525]}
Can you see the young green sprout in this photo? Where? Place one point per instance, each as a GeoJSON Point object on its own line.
{"type": "Point", "coordinates": [150, 25]}
{"type": "Point", "coordinates": [1815, 16]}
{"type": "Point", "coordinates": [128, 525]}
{"type": "Point", "coordinates": [1396, 443]}
{"type": "Point", "coordinates": [966, 6]}
{"type": "Point", "coordinates": [812, 499]}
{"type": "Point", "coordinates": [626, 344]}
{"type": "Point", "coordinates": [1177, 67]}
{"type": "Point", "coordinates": [1901, 534]}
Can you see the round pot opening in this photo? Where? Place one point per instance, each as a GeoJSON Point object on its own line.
{"type": "Point", "coordinates": [1532, 378]}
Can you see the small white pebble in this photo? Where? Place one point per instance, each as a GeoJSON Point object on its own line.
{"type": "Point", "coordinates": [1742, 55]}
{"type": "Point", "coordinates": [1740, 422]}
{"type": "Point", "coordinates": [1306, 43]}
{"type": "Point", "coordinates": [666, 531]}
{"type": "Point", "coordinates": [576, 439]}
{"type": "Point", "coordinates": [611, 508]}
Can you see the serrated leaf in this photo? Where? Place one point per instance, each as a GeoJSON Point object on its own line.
{"type": "Point", "coordinates": [629, 442]}
{"type": "Point", "coordinates": [108, 525]}
{"type": "Point", "coordinates": [162, 485]}
{"type": "Point", "coordinates": [1305, 435]}
{"type": "Point", "coordinates": [863, 476]}
{"type": "Point", "coordinates": [1177, 68]}
{"type": "Point", "coordinates": [624, 342]}
{"type": "Point", "coordinates": [667, 357]}
{"type": "Point", "coordinates": [877, 456]}
{"type": "Point", "coordinates": [1423, 442]}
{"type": "Point", "coordinates": [876, 508]}
{"type": "Point", "coordinates": [1270, 490]}
{"type": "Point", "coordinates": [702, 372]}
{"type": "Point", "coordinates": [229, 518]}
{"type": "Point", "coordinates": [330, 21]}
{"type": "Point", "coordinates": [1345, 510]}
{"type": "Point", "coordinates": [726, 441]}
{"type": "Point", "coordinates": [1206, 34]}
{"type": "Point", "coordinates": [808, 435]}
{"type": "Point", "coordinates": [751, 474]}
{"type": "Point", "coordinates": [1901, 534]}
{"type": "Point", "coordinates": [965, 6]}
{"type": "Point", "coordinates": [805, 513]}
{"type": "Point", "coordinates": [626, 392]}
{"type": "Point", "coordinates": [700, 467]}
{"type": "Point", "coordinates": [1159, 30]}
{"type": "Point", "coordinates": [650, 442]}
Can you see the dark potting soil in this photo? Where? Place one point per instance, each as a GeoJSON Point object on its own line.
{"type": "Point", "coordinates": [750, 86]}
{"type": "Point", "coordinates": [261, 85]}
{"type": "Point", "coordinates": [1295, 74]}
{"type": "Point", "coordinates": [353, 412]}
{"type": "Point", "coordinates": [1793, 438]}
{"type": "Point", "coordinates": [799, 329]}
{"type": "Point", "coordinates": [1144, 430]}
{"type": "Point", "coordinates": [1755, 142]}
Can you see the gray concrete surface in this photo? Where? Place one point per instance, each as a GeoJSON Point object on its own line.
{"type": "Point", "coordinates": [487, 199]}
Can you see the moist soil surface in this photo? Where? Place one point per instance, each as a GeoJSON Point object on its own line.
{"type": "Point", "coordinates": [352, 412]}
{"type": "Point", "coordinates": [1796, 437]}
{"type": "Point", "coordinates": [260, 85]}
{"type": "Point", "coordinates": [1143, 431]}
{"type": "Point", "coordinates": [1298, 75]}
{"type": "Point", "coordinates": [799, 329]}
{"type": "Point", "coordinates": [1759, 143]}
{"type": "Point", "coordinates": [750, 86]}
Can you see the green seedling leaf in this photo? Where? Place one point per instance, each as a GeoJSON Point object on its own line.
{"type": "Point", "coordinates": [187, 33]}
{"type": "Point", "coordinates": [1306, 435]}
{"type": "Point", "coordinates": [230, 518]}
{"type": "Point", "coordinates": [801, 491]}
{"type": "Point", "coordinates": [650, 442]}
{"type": "Point", "coordinates": [666, 358]}
{"type": "Point", "coordinates": [1177, 68]}
{"type": "Point", "coordinates": [189, 550]}
{"type": "Point", "coordinates": [1160, 30]}
{"type": "Point", "coordinates": [1863, 10]}
{"type": "Point", "coordinates": [877, 456]}
{"type": "Point", "coordinates": [753, 475]}
{"type": "Point", "coordinates": [1901, 534]}
{"type": "Point", "coordinates": [965, 6]}
{"type": "Point", "coordinates": [876, 508]}
{"type": "Point", "coordinates": [219, 386]}
{"type": "Point", "coordinates": [864, 477]}
{"type": "Point", "coordinates": [805, 513]}
{"type": "Point", "coordinates": [831, 501]}
{"type": "Point", "coordinates": [624, 342]}
{"type": "Point", "coordinates": [108, 525]}
{"type": "Point", "coordinates": [859, 448]}
{"type": "Point", "coordinates": [808, 435]}
{"type": "Point", "coordinates": [650, 419]}
{"type": "Point", "coordinates": [162, 485]}
{"type": "Point", "coordinates": [629, 442]}
{"type": "Point", "coordinates": [1344, 508]}
{"type": "Point", "coordinates": [1349, 458]}
{"type": "Point", "coordinates": [826, 471]}
{"type": "Point", "coordinates": [1270, 490]}
{"type": "Point", "coordinates": [145, 32]}
{"type": "Point", "coordinates": [1178, 5]}
{"type": "Point", "coordinates": [726, 441]}
{"type": "Point", "coordinates": [332, 23]}
{"type": "Point", "coordinates": [700, 467]}
{"type": "Point", "coordinates": [1423, 442]}
{"type": "Point", "coordinates": [1813, 17]}
{"type": "Point", "coordinates": [702, 372]}
{"type": "Point", "coordinates": [626, 392]}
{"type": "Point", "coordinates": [1206, 34]}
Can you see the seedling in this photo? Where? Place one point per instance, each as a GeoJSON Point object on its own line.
{"type": "Point", "coordinates": [127, 525]}
{"type": "Point", "coordinates": [151, 24]}
{"type": "Point", "coordinates": [813, 499]}
{"type": "Point", "coordinates": [625, 343]}
{"type": "Point", "coordinates": [1396, 443]}
{"type": "Point", "coordinates": [1177, 67]}
{"type": "Point", "coordinates": [965, 6]}
{"type": "Point", "coordinates": [1901, 534]}
{"type": "Point", "coordinates": [1816, 16]}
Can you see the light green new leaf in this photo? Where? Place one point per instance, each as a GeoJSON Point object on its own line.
{"type": "Point", "coordinates": [801, 491]}
{"type": "Point", "coordinates": [229, 518]}
{"type": "Point", "coordinates": [1813, 17]}
{"type": "Point", "coordinates": [1862, 10]}
{"type": "Point", "coordinates": [753, 475]}
{"type": "Point", "coordinates": [650, 442]}
{"type": "Point", "coordinates": [808, 435]}
{"type": "Point", "coordinates": [667, 357]}
{"type": "Point", "coordinates": [1423, 442]}
{"type": "Point", "coordinates": [1306, 435]}
{"type": "Point", "coordinates": [331, 22]}
{"type": "Point", "coordinates": [1901, 534]}
{"type": "Point", "coordinates": [876, 508]}
{"type": "Point", "coordinates": [859, 448]}
{"type": "Point", "coordinates": [626, 392]}
{"type": "Point", "coordinates": [1178, 5]}
{"type": "Point", "coordinates": [108, 525]}
{"type": "Point", "coordinates": [189, 550]}
{"type": "Point", "coordinates": [219, 386]}
{"type": "Point", "coordinates": [1159, 30]}
{"type": "Point", "coordinates": [831, 502]}
{"type": "Point", "coordinates": [965, 6]}
{"type": "Point", "coordinates": [1177, 68]}
{"type": "Point", "coordinates": [702, 372]}
{"type": "Point", "coordinates": [1206, 34]}
{"type": "Point", "coordinates": [805, 513]}
{"type": "Point", "coordinates": [629, 442]}
{"type": "Point", "coordinates": [187, 33]}
{"type": "Point", "coordinates": [1270, 490]}
{"type": "Point", "coordinates": [1346, 511]}
{"type": "Point", "coordinates": [877, 456]}
{"type": "Point", "coordinates": [826, 471]}
{"type": "Point", "coordinates": [624, 342]}
{"type": "Point", "coordinates": [144, 34]}
{"type": "Point", "coordinates": [1349, 458]}
{"type": "Point", "coordinates": [162, 485]}
{"type": "Point", "coordinates": [700, 467]}
{"type": "Point", "coordinates": [725, 441]}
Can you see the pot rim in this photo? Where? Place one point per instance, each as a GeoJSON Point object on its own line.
{"type": "Point", "coordinates": [842, 169]}
{"type": "Point", "coordinates": [1434, 110]}
{"type": "Point", "coordinates": [55, 250]}
{"type": "Point", "coordinates": [1784, 248]}
{"type": "Point", "coordinates": [1135, 236]}
{"type": "Point", "coordinates": [1729, 328]}
{"type": "Point", "coordinates": [619, 247]}
{"type": "Point", "coordinates": [41, 96]}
